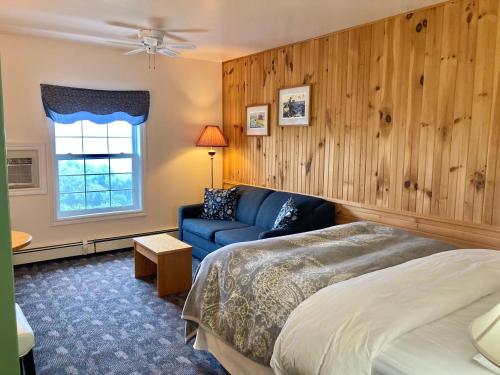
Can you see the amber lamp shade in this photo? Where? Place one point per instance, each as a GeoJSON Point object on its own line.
{"type": "Point", "coordinates": [212, 136]}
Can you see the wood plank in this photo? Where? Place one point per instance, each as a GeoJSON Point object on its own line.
{"type": "Point", "coordinates": [411, 184]}
{"type": "Point", "coordinates": [446, 104]}
{"type": "Point", "coordinates": [386, 117]}
{"type": "Point", "coordinates": [463, 109]}
{"type": "Point", "coordinates": [493, 136]}
{"type": "Point", "coordinates": [375, 108]}
{"type": "Point", "coordinates": [495, 119]}
{"type": "Point", "coordinates": [481, 110]}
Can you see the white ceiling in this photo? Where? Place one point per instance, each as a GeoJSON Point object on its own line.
{"type": "Point", "coordinates": [232, 28]}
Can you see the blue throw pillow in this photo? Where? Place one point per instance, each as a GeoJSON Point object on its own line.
{"type": "Point", "coordinates": [219, 204]}
{"type": "Point", "coordinates": [287, 216]}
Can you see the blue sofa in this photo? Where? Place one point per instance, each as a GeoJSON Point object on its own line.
{"type": "Point", "coordinates": [256, 211]}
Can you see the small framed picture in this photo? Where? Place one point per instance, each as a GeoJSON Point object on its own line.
{"type": "Point", "coordinates": [258, 119]}
{"type": "Point", "coordinates": [294, 106]}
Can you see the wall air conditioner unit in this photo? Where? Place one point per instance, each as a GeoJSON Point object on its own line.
{"type": "Point", "coordinates": [21, 173]}
{"type": "Point", "coordinates": [26, 169]}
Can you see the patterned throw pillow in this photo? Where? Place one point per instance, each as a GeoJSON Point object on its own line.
{"type": "Point", "coordinates": [219, 204]}
{"type": "Point", "coordinates": [287, 216]}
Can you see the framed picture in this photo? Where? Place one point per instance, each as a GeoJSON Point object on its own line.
{"type": "Point", "coordinates": [258, 120]}
{"type": "Point", "coordinates": [26, 169]}
{"type": "Point", "coordinates": [294, 106]}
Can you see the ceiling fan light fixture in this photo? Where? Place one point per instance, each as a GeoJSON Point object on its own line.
{"type": "Point", "coordinates": [154, 41]}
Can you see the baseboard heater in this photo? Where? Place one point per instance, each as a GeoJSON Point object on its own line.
{"type": "Point", "coordinates": [42, 253]}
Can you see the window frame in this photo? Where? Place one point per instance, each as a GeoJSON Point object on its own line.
{"type": "Point", "coordinates": [96, 214]}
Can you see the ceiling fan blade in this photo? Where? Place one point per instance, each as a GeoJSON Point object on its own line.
{"type": "Point", "coordinates": [132, 36]}
{"type": "Point", "coordinates": [124, 43]}
{"type": "Point", "coordinates": [126, 25]}
{"type": "Point", "coordinates": [167, 52]}
{"type": "Point", "coordinates": [185, 30]}
{"type": "Point", "coordinates": [174, 37]}
{"type": "Point", "coordinates": [135, 51]}
{"type": "Point", "coordinates": [181, 46]}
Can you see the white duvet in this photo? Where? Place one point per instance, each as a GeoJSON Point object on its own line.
{"type": "Point", "coordinates": [341, 329]}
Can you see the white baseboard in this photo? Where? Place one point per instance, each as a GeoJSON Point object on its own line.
{"type": "Point", "coordinates": [47, 254]}
{"type": "Point", "coordinates": [77, 249]}
{"type": "Point", "coordinates": [110, 245]}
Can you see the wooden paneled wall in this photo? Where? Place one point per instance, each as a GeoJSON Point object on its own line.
{"type": "Point", "coordinates": [405, 115]}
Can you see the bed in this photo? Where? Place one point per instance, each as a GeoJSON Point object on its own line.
{"type": "Point", "coordinates": [442, 347]}
{"type": "Point", "coordinates": [251, 304]}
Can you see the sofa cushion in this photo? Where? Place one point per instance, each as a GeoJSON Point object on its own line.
{"type": "Point", "coordinates": [207, 228]}
{"type": "Point", "coordinates": [271, 206]}
{"type": "Point", "coordinates": [201, 246]}
{"type": "Point", "coordinates": [249, 200]}
{"type": "Point", "coordinates": [219, 204]}
{"type": "Point", "coordinates": [227, 237]}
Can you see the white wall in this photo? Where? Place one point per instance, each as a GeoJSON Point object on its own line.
{"type": "Point", "coordinates": [185, 95]}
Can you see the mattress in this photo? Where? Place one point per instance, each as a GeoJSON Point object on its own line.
{"type": "Point", "coordinates": [439, 348]}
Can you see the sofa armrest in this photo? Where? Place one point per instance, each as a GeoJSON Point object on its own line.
{"type": "Point", "coordinates": [277, 233]}
{"type": "Point", "coordinates": [188, 211]}
{"type": "Point", "coordinates": [323, 216]}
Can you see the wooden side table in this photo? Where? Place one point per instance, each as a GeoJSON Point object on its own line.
{"type": "Point", "coordinates": [166, 256]}
{"type": "Point", "coordinates": [20, 240]}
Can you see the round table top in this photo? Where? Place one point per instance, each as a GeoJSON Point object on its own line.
{"type": "Point", "coordinates": [20, 240]}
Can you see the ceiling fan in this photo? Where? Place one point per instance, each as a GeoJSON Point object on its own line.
{"type": "Point", "coordinates": [154, 40]}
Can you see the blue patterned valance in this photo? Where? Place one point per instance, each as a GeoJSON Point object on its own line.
{"type": "Point", "coordinates": [66, 105]}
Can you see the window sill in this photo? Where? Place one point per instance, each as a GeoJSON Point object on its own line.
{"type": "Point", "coordinates": [99, 217]}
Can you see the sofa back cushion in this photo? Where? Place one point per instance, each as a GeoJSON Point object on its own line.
{"type": "Point", "coordinates": [271, 206]}
{"type": "Point", "coordinates": [249, 200]}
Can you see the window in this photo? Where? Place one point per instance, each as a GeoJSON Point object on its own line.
{"type": "Point", "coordinates": [98, 168]}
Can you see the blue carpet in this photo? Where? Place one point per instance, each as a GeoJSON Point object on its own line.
{"type": "Point", "coordinates": [91, 316]}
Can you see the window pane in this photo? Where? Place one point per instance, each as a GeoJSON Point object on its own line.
{"type": "Point", "coordinates": [94, 130]}
{"type": "Point", "coordinates": [71, 184]}
{"type": "Point", "coordinates": [101, 179]}
{"type": "Point", "coordinates": [121, 181]}
{"type": "Point", "coordinates": [71, 202]}
{"type": "Point", "coordinates": [95, 145]}
{"type": "Point", "coordinates": [70, 167]}
{"type": "Point", "coordinates": [119, 129]}
{"type": "Point", "coordinates": [98, 200]}
{"type": "Point", "coordinates": [68, 146]}
{"type": "Point", "coordinates": [121, 165]}
{"type": "Point", "coordinates": [68, 130]}
{"type": "Point", "coordinates": [122, 198]}
{"type": "Point", "coordinates": [96, 166]}
{"type": "Point", "coordinates": [120, 145]}
{"type": "Point", "coordinates": [97, 182]}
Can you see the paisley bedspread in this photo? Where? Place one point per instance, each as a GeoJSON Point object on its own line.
{"type": "Point", "coordinates": [243, 293]}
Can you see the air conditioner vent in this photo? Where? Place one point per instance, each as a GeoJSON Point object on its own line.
{"type": "Point", "coordinates": [20, 173]}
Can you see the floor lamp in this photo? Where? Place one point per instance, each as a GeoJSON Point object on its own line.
{"type": "Point", "coordinates": [211, 136]}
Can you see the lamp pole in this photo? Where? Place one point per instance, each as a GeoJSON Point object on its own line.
{"type": "Point", "coordinates": [211, 152]}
